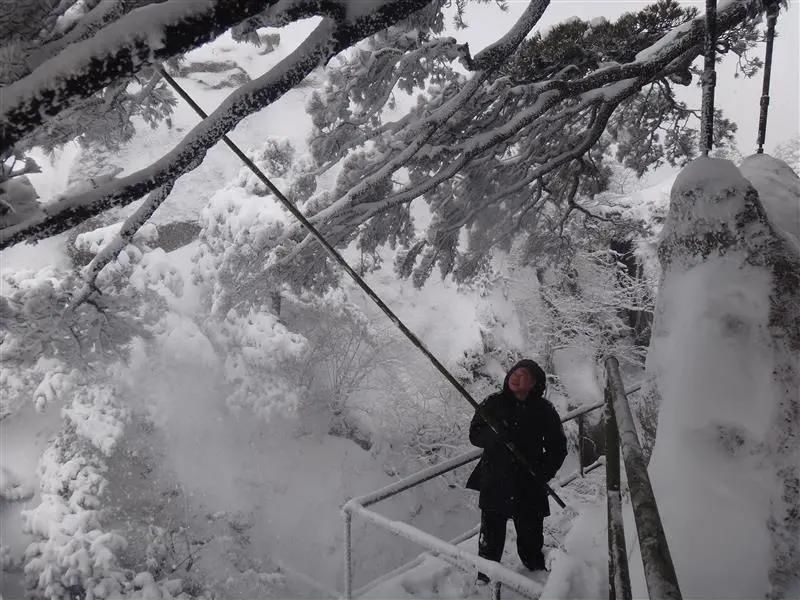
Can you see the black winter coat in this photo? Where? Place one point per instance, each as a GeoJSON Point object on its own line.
{"type": "Point", "coordinates": [535, 429]}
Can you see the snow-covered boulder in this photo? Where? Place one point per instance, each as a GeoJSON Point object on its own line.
{"type": "Point", "coordinates": [725, 366]}
{"type": "Point", "coordinates": [778, 188]}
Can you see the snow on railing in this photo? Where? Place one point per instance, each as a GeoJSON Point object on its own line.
{"type": "Point", "coordinates": [418, 478]}
{"type": "Point", "coordinates": [413, 563]}
{"type": "Point", "coordinates": [496, 571]}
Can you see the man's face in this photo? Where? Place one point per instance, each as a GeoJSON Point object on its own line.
{"type": "Point", "coordinates": [520, 382]}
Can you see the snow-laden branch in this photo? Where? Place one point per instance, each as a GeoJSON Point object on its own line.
{"type": "Point", "coordinates": [362, 213]}
{"type": "Point", "coordinates": [98, 17]}
{"type": "Point", "coordinates": [154, 33]}
{"type": "Point", "coordinates": [428, 126]}
{"type": "Point", "coordinates": [491, 56]}
{"type": "Point", "coordinates": [327, 40]}
{"type": "Point", "coordinates": [149, 34]}
{"type": "Point", "coordinates": [110, 252]}
{"type": "Point", "coordinates": [608, 86]}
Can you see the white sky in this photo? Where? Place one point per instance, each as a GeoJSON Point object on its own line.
{"type": "Point", "coordinates": [739, 98]}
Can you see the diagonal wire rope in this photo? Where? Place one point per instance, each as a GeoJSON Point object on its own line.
{"type": "Point", "coordinates": [490, 421]}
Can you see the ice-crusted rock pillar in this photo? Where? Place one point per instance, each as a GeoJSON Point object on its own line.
{"type": "Point", "coordinates": [725, 366]}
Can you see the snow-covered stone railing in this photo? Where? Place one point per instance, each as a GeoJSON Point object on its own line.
{"type": "Point", "coordinates": [447, 551]}
{"type": "Point", "coordinates": [659, 571]}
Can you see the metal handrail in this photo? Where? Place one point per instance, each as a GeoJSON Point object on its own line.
{"type": "Point", "coordinates": [412, 563]}
{"type": "Point", "coordinates": [621, 438]}
{"type": "Point", "coordinates": [358, 506]}
{"type": "Point", "coordinates": [659, 571]}
{"type": "Point", "coordinates": [619, 582]}
{"type": "Point", "coordinates": [493, 569]}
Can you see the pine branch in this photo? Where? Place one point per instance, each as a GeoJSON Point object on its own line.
{"type": "Point", "coordinates": [327, 40]}
{"type": "Point", "coordinates": [111, 250]}
{"type": "Point", "coordinates": [152, 34]}
{"type": "Point", "coordinates": [607, 86]}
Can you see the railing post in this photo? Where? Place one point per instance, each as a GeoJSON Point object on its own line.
{"type": "Point", "coordinates": [580, 444]}
{"type": "Point", "coordinates": [659, 571]}
{"type": "Point", "coordinates": [348, 555]}
{"type": "Point", "coordinates": [496, 590]}
{"type": "Point", "coordinates": [619, 584]}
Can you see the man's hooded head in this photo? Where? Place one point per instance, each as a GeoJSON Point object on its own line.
{"type": "Point", "coordinates": [536, 372]}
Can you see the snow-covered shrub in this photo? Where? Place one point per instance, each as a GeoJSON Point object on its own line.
{"type": "Point", "coordinates": [73, 553]}
{"type": "Point", "coordinates": [48, 347]}
{"type": "Point", "coordinates": [258, 349]}
{"type": "Point", "coordinates": [75, 356]}
{"type": "Point", "coordinates": [46, 351]}
{"type": "Point", "coordinates": [242, 224]}
{"type": "Point", "coordinates": [343, 350]}
{"type": "Point", "coordinates": [243, 285]}
{"type": "Point", "coordinates": [584, 304]}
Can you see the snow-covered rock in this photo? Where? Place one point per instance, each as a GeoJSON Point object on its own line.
{"type": "Point", "coordinates": [724, 363]}
{"type": "Point", "coordinates": [778, 188]}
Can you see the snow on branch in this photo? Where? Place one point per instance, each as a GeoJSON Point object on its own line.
{"type": "Point", "coordinates": [491, 56]}
{"type": "Point", "coordinates": [484, 120]}
{"type": "Point", "coordinates": [427, 127]}
{"type": "Point", "coordinates": [100, 15]}
{"type": "Point", "coordinates": [151, 34]}
{"type": "Point", "coordinates": [327, 40]}
{"type": "Point", "coordinates": [110, 252]}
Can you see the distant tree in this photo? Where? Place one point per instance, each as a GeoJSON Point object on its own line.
{"type": "Point", "coordinates": [789, 152]}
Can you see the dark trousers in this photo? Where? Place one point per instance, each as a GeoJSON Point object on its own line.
{"type": "Point", "coordinates": [530, 538]}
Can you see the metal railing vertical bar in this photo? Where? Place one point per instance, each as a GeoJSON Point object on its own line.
{"type": "Point", "coordinates": [619, 583]}
{"type": "Point", "coordinates": [496, 586]}
{"type": "Point", "coordinates": [659, 571]}
{"type": "Point", "coordinates": [348, 555]}
{"type": "Point", "coordinates": [772, 17]}
{"type": "Point", "coordinates": [581, 433]}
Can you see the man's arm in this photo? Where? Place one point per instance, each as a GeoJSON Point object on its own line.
{"type": "Point", "coordinates": [555, 445]}
{"type": "Point", "coordinates": [480, 434]}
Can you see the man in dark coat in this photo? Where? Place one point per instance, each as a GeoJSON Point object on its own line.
{"type": "Point", "coordinates": [507, 490]}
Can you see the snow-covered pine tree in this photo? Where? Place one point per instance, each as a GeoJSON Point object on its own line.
{"type": "Point", "coordinates": [510, 117]}
{"type": "Point", "coordinates": [602, 86]}
{"type": "Point", "coordinates": [74, 356]}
